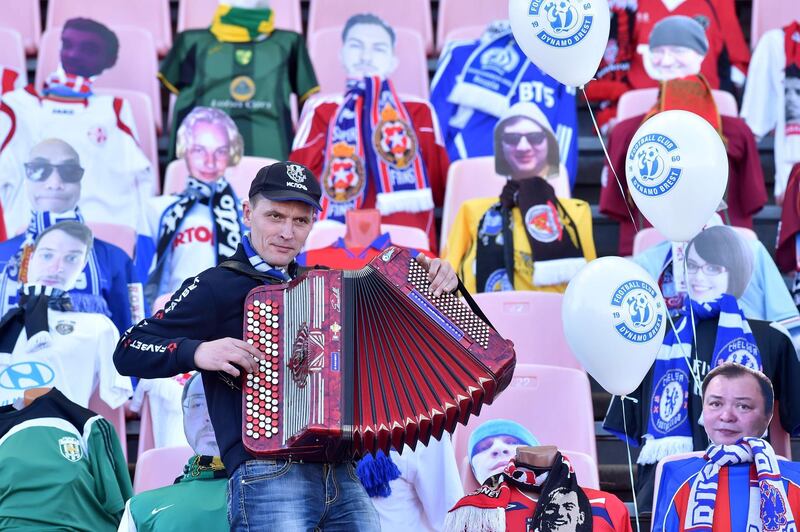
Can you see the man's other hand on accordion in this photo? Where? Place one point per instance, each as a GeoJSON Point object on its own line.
{"type": "Point", "coordinates": [440, 273]}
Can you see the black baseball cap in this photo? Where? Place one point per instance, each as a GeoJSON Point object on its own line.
{"type": "Point", "coordinates": [287, 181]}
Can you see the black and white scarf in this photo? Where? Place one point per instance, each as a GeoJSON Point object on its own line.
{"type": "Point", "coordinates": [31, 315]}
{"type": "Point", "coordinates": [553, 236]}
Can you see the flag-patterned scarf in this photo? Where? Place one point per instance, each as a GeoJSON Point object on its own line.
{"type": "Point", "coordinates": [371, 143]}
{"type": "Point", "coordinates": [768, 509]}
{"type": "Point", "coordinates": [60, 83]}
{"type": "Point", "coordinates": [669, 429]}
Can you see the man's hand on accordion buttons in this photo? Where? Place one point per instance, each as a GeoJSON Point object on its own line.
{"type": "Point", "coordinates": [225, 354]}
{"type": "Point", "coordinates": [441, 275]}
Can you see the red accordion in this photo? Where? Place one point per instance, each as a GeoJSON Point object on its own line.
{"type": "Point", "coordinates": [357, 361]}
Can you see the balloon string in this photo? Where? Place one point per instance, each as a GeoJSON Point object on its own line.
{"type": "Point", "coordinates": [697, 382]}
{"type": "Point", "coordinates": [624, 398]}
{"type": "Point", "coordinates": [608, 158]}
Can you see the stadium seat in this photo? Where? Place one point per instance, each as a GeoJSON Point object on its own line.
{"type": "Point", "coordinates": [779, 439]}
{"type": "Point", "coordinates": [136, 66]}
{"type": "Point", "coordinates": [411, 76]}
{"type": "Point", "coordinates": [532, 320]}
{"type": "Point", "coordinates": [142, 110]}
{"type": "Point", "coordinates": [287, 14]}
{"type": "Point", "coordinates": [770, 14]}
{"type": "Point", "coordinates": [240, 176]}
{"type": "Point", "coordinates": [161, 302]}
{"type": "Point", "coordinates": [414, 15]}
{"type": "Point", "coordinates": [454, 14]}
{"type": "Point", "coordinates": [648, 237]}
{"type": "Point", "coordinates": [146, 438]}
{"type": "Point", "coordinates": [463, 33]}
{"type": "Point", "coordinates": [640, 101]}
{"type": "Point", "coordinates": [115, 416]}
{"type": "Point", "coordinates": [12, 52]}
{"type": "Point", "coordinates": [122, 236]}
{"type": "Point", "coordinates": [150, 15]}
{"type": "Point", "coordinates": [554, 403]}
{"type": "Point", "coordinates": [475, 178]}
{"type": "Point", "coordinates": [157, 468]}
{"type": "Point", "coordinates": [26, 18]}
{"type": "Point", "coordinates": [325, 233]}
{"type": "Point", "coordinates": [585, 469]}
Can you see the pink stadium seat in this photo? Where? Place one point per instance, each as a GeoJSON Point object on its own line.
{"type": "Point", "coordinates": [462, 33]}
{"type": "Point", "coordinates": [454, 14]}
{"type": "Point", "coordinates": [639, 101]}
{"type": "Point", "coordinates": [145, 125]}
{"type": "Point", "coordinates": [779, 438]}
{"type": "Point", "coordinates": [475, 178]}
{"type": "Point", "coordinates": [161, 302]}
{"type": "Point", "coordinates": [240, 176]}
{"type": "Point", "coordinates": [585, 468]}
{"type": "Point", "coordinates": [12, 52]}
{"type": "Point", "coordinates": [414, 15]}
{"type": "Point", "coordinates": [115, 416]}
{"type": "Point", "coordinates": [146, 438]}
{"type": "Point", "coordinates": [555, 404]}
{"type": "Point", "coordinates": [648, 237]}
{"type": "Point", "coordinates": [194, 14]}
{"type": "Point", "coordinates": [157, 468]}
{"type": "Point", "coordinates": [411, 76]}
{"type": "Point", "coordinates": [26, 18]}
{"type": "Point", "coordinates": [122, 236]}
{"type": "Point", "coordinates": [135, 70]}
{"type": "Point", "coordinates": [323, 234]}
{"type": "Point", "coordinates": [532, 320]}
{"type": "Point", "coordinates": [771, 14]}
{"type": "Point", "coordinates": [150, 15]}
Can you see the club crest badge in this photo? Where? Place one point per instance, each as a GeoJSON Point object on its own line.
{"type": "Point", "coordinates": [343, 178]}
{"type": "Point", "coordinates": [740, 351]}
{"type": "Point", "coordinates": [501, 61]}
{"type": "Point", "coordinates": [561, 23]}
{"type": "Point", "coordinates": [98, 135]}
{"type": "Point", "coordinates": [242, 88]}
{"type": "Point", "coordinates": [498, 282]}
{"type": "Point", "coordinates": [543, 224]}
{"type": "Point", "coordinates": [243, 56]}
{"type": "Point", "coordinates": [670, 401]}
{"type": "Point", "coordinates": [64, 327]}
{"type": "Point", "coordinates": [652, 164]}
{"type": "Point", "coordinates": [395, 142]}
{"type": "Point", "coordinates": [70, 448]}
{"type": "Point", "coordinates": [637, 312]}
{"type": "Point", "coordinates": [491, 225]}
{"type": "Point", "coordinates": [295, 173]}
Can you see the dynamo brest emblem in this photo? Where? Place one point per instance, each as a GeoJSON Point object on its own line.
{"type": "Point", "coordinates": [652, 164]}
{"type": "Point", "coordinates": [561, 23]}
{"type": "Point", "coordinates": [637, 312]}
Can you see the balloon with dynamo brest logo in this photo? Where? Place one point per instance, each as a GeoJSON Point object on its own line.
{"type": "Point", "coordinates": [614, 319]}
{"type": "Point", "coordinates": [564, 38]}
{"type": "Point", "coordinates": [677, 172]}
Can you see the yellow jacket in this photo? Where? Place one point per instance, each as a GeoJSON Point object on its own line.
{"type": "Point", "coordinates": [461, 242]}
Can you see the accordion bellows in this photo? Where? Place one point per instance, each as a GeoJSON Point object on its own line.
{"type": "Point", "coordinates": [356, 361]}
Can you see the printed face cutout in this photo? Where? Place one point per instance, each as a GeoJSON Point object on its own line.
{"type": "Point", "coordinates": [525, 146]}
{"type": "Point", "coordinates": [792, 95]}
{"type": "Point", "coordinates": [196, 421]}
{"type": "Point", "coordinates": [208, 153]}
{"type": "Point", "coordinates": [562, 512]}
{"type": "Point", "coordinates": [53, 176]}
{"type": "Point", "coordinates": [57, 261]}
{"type": "Point", "coordinates": [719, 261]}
{"type": "Point", "coordinates": [733, 408]}
{"type": "Point", "coordinates": [664, 63]}
{"type": "Point", "coordinates": [367, 50]}
{"type": "Point", "coordinates": [491, 455]}
{"type": "Point", "coordinates": [87, 47]}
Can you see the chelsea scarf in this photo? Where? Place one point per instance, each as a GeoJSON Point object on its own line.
{"type": "Point", "coordinates": [224, 212]}
{"type": "Point", "coordinates": [15, 273]}
{"type": "Point", "coordinates": [371, 142]}
{"type": "Point", "coordinates": [60, 83]}
{"type": "Point", "coordinates": [768, 508]}
{"type": "Point", "coordinates": [669, 429]}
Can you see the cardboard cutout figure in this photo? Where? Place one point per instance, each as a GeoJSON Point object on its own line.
{"type": "Point", "coordinates": [493, 444]}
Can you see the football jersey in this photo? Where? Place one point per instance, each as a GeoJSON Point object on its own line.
{"type": "Point", "coordinates": [118, 177]}
{"type": "Point", "coordinates": [77, 359]}
{"type": "Point", "coordinates": [251, 81]}
{"type": "Point", "coordinates": [63, 468]}
{"type": "Point", "coordinates": [470, 133]}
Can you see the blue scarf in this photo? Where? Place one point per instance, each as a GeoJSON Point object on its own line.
{"type": "Point", "coordinates": [669, 429]}
{"type": "Point", "coordinates": [371, 142]}
{"type": "Point", "coordinates": [491, 74]}
{"type": "Point", "coordinates": [260, 264]}
{"type": "Point", "coordinates": [86, 296]}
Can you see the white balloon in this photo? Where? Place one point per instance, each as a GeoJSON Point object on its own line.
{"type": "Point", "coordinates": [677, 172]}
{"type": "Point", "coordinates": [614, 320]}
{"type": "Point", "coordinates": [565, 38]}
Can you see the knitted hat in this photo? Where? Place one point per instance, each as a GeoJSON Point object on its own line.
{"type": "Point", "coordinates": [679, 30]}
{"type": "Point", "coordinates": [499, 427]}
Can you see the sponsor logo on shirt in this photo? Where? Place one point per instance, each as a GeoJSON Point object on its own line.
{"type": "Point", "coordinates": [70, 448]}
{"type": "Point", "coordinates": [142, 346]}
{"type": "Point", "coordinates": [242, 88]}
{"type": "Point", "coordinates": [186, 291]}
{"type": "Point", "coordinates": [193, 234]}
{"type": "Point", "coordinates": [24, 375]}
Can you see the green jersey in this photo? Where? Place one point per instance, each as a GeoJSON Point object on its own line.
{"type": "Point", "coordinates": [251, 81]}
{"type": "Point", "coordinates": [62, 468]}
{"type": "Point", "coordinates": [197, 502]}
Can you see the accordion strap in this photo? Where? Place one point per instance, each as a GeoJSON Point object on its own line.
{"type": "Point", "coordinates": [472, 304]}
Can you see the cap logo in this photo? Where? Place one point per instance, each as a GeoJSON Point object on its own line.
{"type": "Point", "coordinates": [295, 173]}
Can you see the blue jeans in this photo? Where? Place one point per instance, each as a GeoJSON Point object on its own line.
{"type": "Point", "coordinates": [266, 495]}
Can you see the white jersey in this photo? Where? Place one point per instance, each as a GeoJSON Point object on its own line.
{"type": "Point", "coordinates": [118, 177]}
{"type": "Point", "coordinates": [76, 358]}
{"type": "Point", "coordinates": [429, 485]}
{"type": "Point", "coordinates": [193, 245]}
{"type": "Point", "coordinates": [166, 410]}
{"type": "Point", "coordinates": [764, 104]}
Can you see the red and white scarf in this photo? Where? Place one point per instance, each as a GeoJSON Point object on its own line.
{"type": "Point", "coordinates": [60, 83]}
